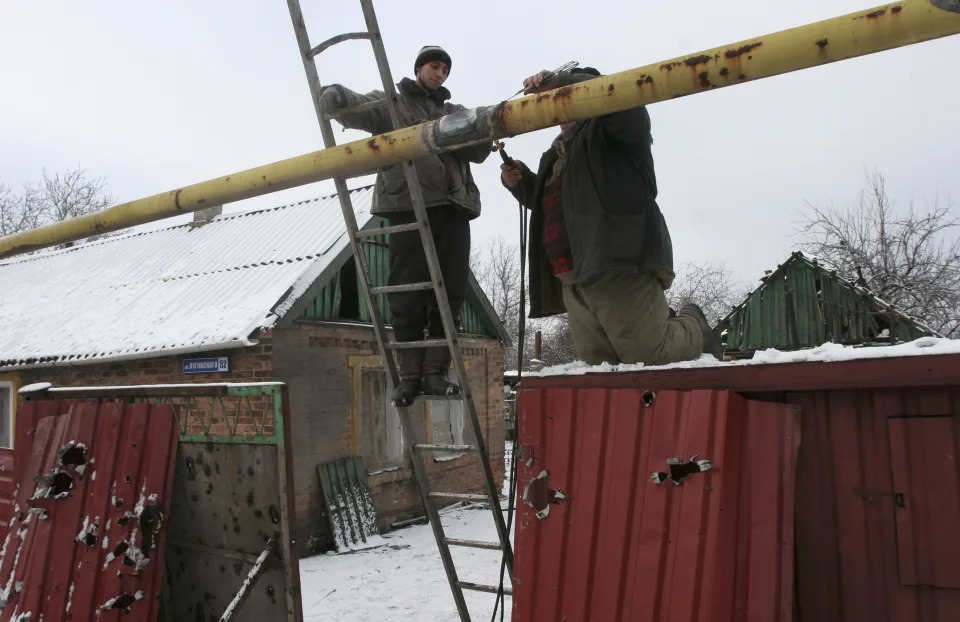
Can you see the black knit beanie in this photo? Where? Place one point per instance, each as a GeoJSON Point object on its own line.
{"type": "Point", "coordinates": [429, 53]}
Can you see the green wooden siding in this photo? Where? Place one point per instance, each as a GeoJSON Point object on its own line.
{"type": "Point", "coordinates": [801, 305]}
{"type": "Point", "coordinates": [327, 305]}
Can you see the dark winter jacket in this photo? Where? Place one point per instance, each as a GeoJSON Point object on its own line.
{"type": "Point", "coordinates": [445, 178]}
{"type": "Point", "coordinates": [608, 200]}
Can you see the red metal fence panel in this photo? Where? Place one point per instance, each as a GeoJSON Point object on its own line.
{"type": "Point", "coordinates": [87, 536]}
{"type": "Point", "coordinates": [232, 492]}
{"type": "Point", "coordinates": [926, 490]}
{"type": "Point", "coordinates": [28, 414]}
{"type": "Point", "coordinates": [597, 539]}
{"type": "Point", "coordinates": [848, 552]}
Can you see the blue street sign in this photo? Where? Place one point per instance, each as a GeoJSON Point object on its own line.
{"type": "Point", "coordinates": [213, 365]}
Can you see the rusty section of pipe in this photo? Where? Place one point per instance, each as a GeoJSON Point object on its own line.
{"type": "Point", "coordinates": [857, 34]}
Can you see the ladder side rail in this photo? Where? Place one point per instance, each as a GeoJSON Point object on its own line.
{"type": "Point", "coordinates": [346, 205]}
{"type": "Point", "coordinates": [449, 327]}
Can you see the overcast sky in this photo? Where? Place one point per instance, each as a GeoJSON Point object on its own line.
{"type": "Point", "coordinates": [157, 95]}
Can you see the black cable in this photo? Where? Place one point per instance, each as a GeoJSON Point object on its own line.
{"type": "Point", "coordinates": [521, 336]}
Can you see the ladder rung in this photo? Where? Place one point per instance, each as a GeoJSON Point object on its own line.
{"type": "Point", "coordinates": [473, 544]}
{"type": "Point", "coordinates": [332, 41]}
{"type": "Point", "coordinates": [360, 108]}
{"type": "Point", "coordinates": [479, 587]}
{"type": "Point", "coordinates": [458, 496]}
{"type": "Point", "coordinates": [369, 233]}
{"type": "Point", "coordinates": [406, 287]}
{"type": "Point", "coordinates": [431, 447]}
{"type": "Point", "coordinates": [423, 343]}
{"type": "Point", "coordinates": [440, 398]}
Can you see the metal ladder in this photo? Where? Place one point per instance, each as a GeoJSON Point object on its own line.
{"type": "Point", "coordinates": [357, 237]}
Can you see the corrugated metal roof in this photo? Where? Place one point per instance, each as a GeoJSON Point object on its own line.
{"type": "Point", "coordinates": [184, 288]}
{"type": "Point", "coordinates": [610, 544]}
{"type": "Point", "coordinates": [89, 526]}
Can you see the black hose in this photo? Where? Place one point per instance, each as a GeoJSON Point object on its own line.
{"type": "Point", "coordinates": [521, 337]}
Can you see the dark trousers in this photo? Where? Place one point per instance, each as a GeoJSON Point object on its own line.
{"type": "Point", "coordinates": [414, 312]}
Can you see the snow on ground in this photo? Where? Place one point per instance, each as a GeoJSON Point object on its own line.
{"type": "Point", "coordinates": [404, 581]}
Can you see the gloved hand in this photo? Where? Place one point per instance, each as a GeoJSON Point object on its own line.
{"type": "Point", "coordinates": [331, 100]}
{"type": "Point", "coordinates": [511, 174]}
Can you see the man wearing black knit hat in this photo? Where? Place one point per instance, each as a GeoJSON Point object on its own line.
{"type": "Point", "coordinates": [599, 246]}
{"type": "Point", "coordinates": [452, 200]}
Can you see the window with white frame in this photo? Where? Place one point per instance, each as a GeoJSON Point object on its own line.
{"type": "Point", "coordinates": [6, 414]}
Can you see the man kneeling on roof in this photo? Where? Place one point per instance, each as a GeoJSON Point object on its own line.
{"type": "Point", "coordinates": [599, 246]}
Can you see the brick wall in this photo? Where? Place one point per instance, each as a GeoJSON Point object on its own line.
{"type": "Point", "coordinates": [312, 358]}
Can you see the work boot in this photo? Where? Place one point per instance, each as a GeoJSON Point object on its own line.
{"type": "Point", "coordinates": [410, 368]}
{"type": "Point", "coordinates": [711, 340]}
{"type": "Point", "coordinates": [436, 364]}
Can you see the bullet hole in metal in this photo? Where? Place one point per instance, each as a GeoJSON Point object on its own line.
{"type": "Point", "coordinates": [679, 470]}
{"type": "Point", "coordinates": [648, 397]}
{"type": "Point", "coordinates": [73, 454]}
{"type": "Point", "coordinates": [538, 495]}
{"type": "Point", "coordinates": [121, 549]}
{"type": "Point", "coordinates": [124, 601]}
{"type": "Point", "coordinates": [274, 514]}
{"type": "Point", "coordinates": [250, 498]}
{"type": "Point", "coordinates": [150, 523]}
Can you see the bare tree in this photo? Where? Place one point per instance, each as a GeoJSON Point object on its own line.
{"type": "Point", "coordinates": [20, 211]}
{"type": "Point", "coordinates": [910, 258]}
{"type": "Point", "coordinates": [65, 195]}
{"type": "Point", "coordinates": [73, 194]}
{"type": "Point", "coordinates": [497, 267]}
{"type": "Point", "coordinates": [557, 342]}
{"type": "Point", "coordinates": [708, 285]}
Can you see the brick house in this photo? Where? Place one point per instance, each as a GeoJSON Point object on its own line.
{"type": "Point", "coordinates": [274, 292]}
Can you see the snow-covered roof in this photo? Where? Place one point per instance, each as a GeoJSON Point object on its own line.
{"type": "Point", "coordinates": [827, 353]}
{"type": "Point", "coordinates": [185, 288]}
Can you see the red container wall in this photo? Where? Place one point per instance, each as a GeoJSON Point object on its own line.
{"type": "Point", "coordinates": [878, 513]}
{"type": "Point", "coordinates": [603, 542]}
